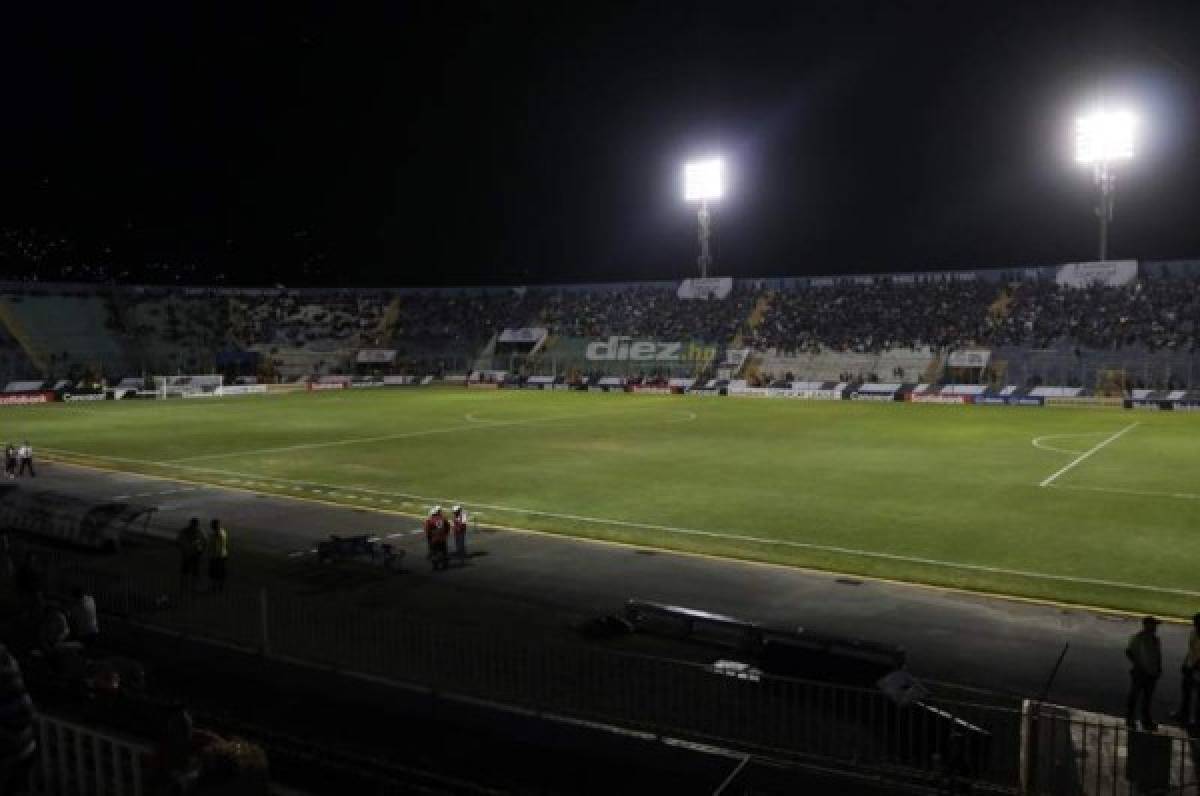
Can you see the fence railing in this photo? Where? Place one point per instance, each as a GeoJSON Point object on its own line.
{"type": "Point", "coordinates": [861, 728]}
{"type": "Point", "coordinates": [76, 760]}
{"type": "Point", "coordinates": [1071, 751]}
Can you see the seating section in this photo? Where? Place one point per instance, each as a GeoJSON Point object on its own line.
{"type": "Point", "coordinates": [856, 329]}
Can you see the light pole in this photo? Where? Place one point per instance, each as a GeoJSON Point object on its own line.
{"type": "Point", "coordinates": [704, 180]}
{"type": "Point", "coordinates": [1102, 139]}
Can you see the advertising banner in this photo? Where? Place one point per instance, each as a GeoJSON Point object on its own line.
{"type": "Point", "coordinates": [621, 348]}
{"type": "Point", "coordinates": [970, 358]}
{"type": "Point", "coordinates": [717, 287]}
{"type": "Point", "coordinates": [22, 398]}
{"type": "Point", "coordinates": [917, 398]}
{"type": "Point", "coordinates": [243, 389]}
{"type": "Point", "coordinates": [1079, 400]}
{"type": "Point", "coordinates": [533, 334]}
{"type": "Point", "coordinates": [376, 356]}
{"type": "Point", "coordinates": [1111, 273]}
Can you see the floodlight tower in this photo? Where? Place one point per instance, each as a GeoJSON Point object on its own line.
{"type": "Point", "coordinates": [1102, 139]}
{"type": "Point", "coordinates": [704, 180]}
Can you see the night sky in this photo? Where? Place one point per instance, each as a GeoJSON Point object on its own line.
{"type": "Point", "coordinates": [509, 142]}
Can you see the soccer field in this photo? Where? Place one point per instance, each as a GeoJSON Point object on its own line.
{"type": "Point", "coordinates": [1096, 506]}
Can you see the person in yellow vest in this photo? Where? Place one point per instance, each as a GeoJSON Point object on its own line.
{"type": "Point", "coordinates": [1188, 674]}
{"type": "Point", "coordinates": [218, 555]}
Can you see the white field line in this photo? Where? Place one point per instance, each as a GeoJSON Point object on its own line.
{"type": "Point", "coordinates": [253, 478]}
{"type": "Point", "coordinates": [474, 426]}
{"type": "Point", "coordinates": [1130, 492]}
{"type": "Point", "coordinates": [1088, 453]}
{"type": "Point", "coordinates": [1037, 442]}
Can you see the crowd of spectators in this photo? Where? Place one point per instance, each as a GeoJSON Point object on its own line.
{"type": "Point", "coordinates": [1158, 314]}
{"type": "Point", "coordinates": [652, 312]}
{"type": "Point", "coordinates": [875, 317]}
{"type": "Point", "coordinates": [853, 315]}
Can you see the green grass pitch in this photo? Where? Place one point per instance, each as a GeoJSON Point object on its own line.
{"type": "Point", "coordinates": [943, 495]}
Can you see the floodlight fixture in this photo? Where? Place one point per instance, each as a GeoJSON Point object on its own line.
{"type": "Point", "coordinates": [704, 181]}
{"type": "Point", "coordinates": [1102, 139]}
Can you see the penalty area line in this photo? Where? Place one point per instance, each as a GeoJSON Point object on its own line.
{"type": "Point", "coordinates": [283, 483]}
{"type": "Point", "coordinates": [1081, 458]}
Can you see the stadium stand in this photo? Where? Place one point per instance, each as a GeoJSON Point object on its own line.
{"type": "Point", "coordinates": [1039, 329]}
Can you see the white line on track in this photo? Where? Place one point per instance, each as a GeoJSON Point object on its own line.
{"type": "Point", "coordinates": [1086, 454]}
{"type": "Point", "coordinates": [475, 426]}
{"type": "Point", "coordinates": [280, 483]}
{"type": "Point", "coordinates": [159, 493]}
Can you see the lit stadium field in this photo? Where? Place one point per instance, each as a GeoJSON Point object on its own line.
{"type": "Point", "coordinates": [952, 496]}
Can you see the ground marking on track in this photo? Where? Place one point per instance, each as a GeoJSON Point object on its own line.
{"type": "Point", "coordinates": [1115, 490]}
{"type": "Point", "coordinates": [1088, 453]}
{"type": "Point", "coordinates": [723, 535]}
{"type": "Point", "coordinates": [475, 426]}
{"type": "Point", "coordinates": [159, 493]}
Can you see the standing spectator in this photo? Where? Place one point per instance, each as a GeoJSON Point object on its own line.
{"type": "Point", "coordinates": [10, 460]}
{"type": "Point", "coordinates": [190, 542]}
{"type": "Point", "coordinates": [460, 534]}
{"type": "Point", "coordinates": [85, 626]}
{"type": "Point", "coordinates": [18, 743]}
{"type": "Point", "coordinates": [25, 454]}
{"type": "Point", "coordinates": [218, 555]}
{"type": "Point", "coordinates": [53, 630]}
{"type": "Point", "coordinates": [1188, 674]}
{"type": "Point", "coordinates": [436, 532]}
{"type": "Point", "coordinates": [1144, 652]}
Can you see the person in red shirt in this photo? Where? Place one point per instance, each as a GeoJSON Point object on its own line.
{"type": "Point", "coordinates": [437, 532]}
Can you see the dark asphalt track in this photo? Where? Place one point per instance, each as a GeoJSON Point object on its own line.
{"type": "Point", "coordinates": [983, 642]}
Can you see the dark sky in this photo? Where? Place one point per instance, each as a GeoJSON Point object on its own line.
{"type": "Point", "coordinates": [509, 142]}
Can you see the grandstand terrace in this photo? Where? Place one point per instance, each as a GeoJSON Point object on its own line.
{"type": "Point", "coordinates": [897, 326]}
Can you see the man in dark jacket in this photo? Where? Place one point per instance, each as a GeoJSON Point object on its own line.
{"type": "Point", "coordinates": [18, 744]}
{"type": "Point", "coordinates": [1144, 652]}
{"type": "Point", "coordinates": [437, 533]}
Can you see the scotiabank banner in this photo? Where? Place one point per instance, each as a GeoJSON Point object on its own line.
{"type": "Point", "coordinates": [917, 398]}
{"type": "Point", "coordinates": [19, 398]}
{"type": "Point", "coordinates": [326, 385]}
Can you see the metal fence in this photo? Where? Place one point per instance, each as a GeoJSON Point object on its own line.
{"type": "Point", "coordinates": [75, 760]}
{"type": "Point", "coordinates": [1075, 752]}
{"type": "Point", "coordinates": [859, 728]}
